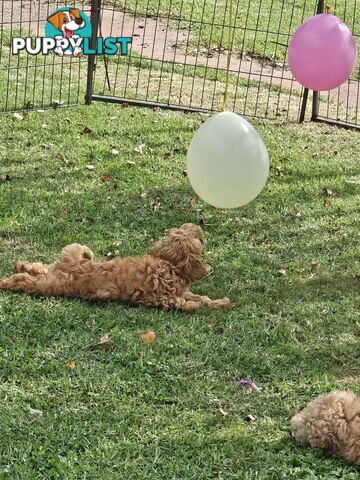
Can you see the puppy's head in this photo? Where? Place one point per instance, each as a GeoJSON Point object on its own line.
{"type": "Point", "coordinates": [183, 247]}
{"type": "Point", "coordinates": [328, 422]}
{"type": "Point", "coordinates": [298, 427]}
{"type": "Point", "coordinates": [67, 22]}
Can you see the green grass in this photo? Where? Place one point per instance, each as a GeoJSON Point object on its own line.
{"type": "Point", "coordinates": [153, 411]}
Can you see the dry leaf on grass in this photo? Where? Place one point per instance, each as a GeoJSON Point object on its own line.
{"type": "Point", "coordinates": [90, 167]}
{"type": "Point", "coordinates": [156, 205]}
{"type": "Point", "coordinates": [33, 421]}
{"type": "Point", "coordinates": [105, 342]}
{"type": "Point", "coordinates": [327, 202]}
{"type": "Point", "coordinates": [114, 151]}
{"type": "Point", "coordinates": [222, 411]}
{"type": "Point", "coordinates": [105, 178]}
{"type": "Point", "coordinates": [250, 418]}
{"type": "Point", "coordinates": [71, 364]}
{"type": "Point", "coordinates": [139, 148]}
{"type": "Point", "coordinates": [129, 162]}
{"type": "Point", "coordinates": [339, 358]}
{"type": "Point", "coordinates": [148, 337]}
{"type": "Point", "coordinates": [142, 195]}
{"type": "Point", "coordinates": [327, 191]}
{"type": "Point", "coordinates": [35, 411]}
{"type": "Point", "coordinates": [282, 271]}
{"type": "Point", "coordinates": [45, 126]}
{"type": "Point", "coordinates": [19, 116]}
{"type": "Point", "coordinates": [87, 130]}
{"type": "Point", "coordinates": [211, 323]}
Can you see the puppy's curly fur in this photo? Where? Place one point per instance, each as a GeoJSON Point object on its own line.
{"type": "Point", "coordinates": [161, 278]}
{"type": "Point", "coordinates": [331, 422]}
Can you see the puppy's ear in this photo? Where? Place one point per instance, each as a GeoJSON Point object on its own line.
{"type": "Point", "coordinates": [351, 407]}
{"type": "Point", "coordinates": [75, 12]}
{"type": "Point", "coordinates": [56, 20]}
{"type": "Point", "coordinates": [183, 251]}
{"type": "Point", "coordinates": [342, 428]}
{"type": "Point", "coordinates": [176, 247]}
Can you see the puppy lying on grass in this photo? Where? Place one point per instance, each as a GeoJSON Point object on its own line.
{"type": "Point", "coordinates": [161, 278]}
{"type": "Point", "coordinates": [331, 422]}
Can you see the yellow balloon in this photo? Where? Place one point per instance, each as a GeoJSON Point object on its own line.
{"type": "Point", "coordinates": [227, 161]}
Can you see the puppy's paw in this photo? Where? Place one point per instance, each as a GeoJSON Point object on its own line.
{"type": "Point", "coordinates": [228, 303]}
{"type": "Point", "coordinates": [30, 268]}
{"type": "Point", "coordinates": [77, 52]}
{"type": "Point", "coordinates": [221, 303]}
{"type": "Point", "coordinates": [209, 269]}
{"type": "Point", "coordinates": [59, 51]}
{"type": "Point", "coordinates": [86, 253]}
{"type": "Point", "coordinates": [20, 267]}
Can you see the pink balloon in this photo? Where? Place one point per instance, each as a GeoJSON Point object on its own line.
{"type": "Point", "coordinates": [322, 53]}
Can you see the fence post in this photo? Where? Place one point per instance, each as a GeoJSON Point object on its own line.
{"type": "Point", "coordinates": [303, 105]}
{"type": "Point", "coordinates": [315, 99]}
{"type": "Point", "coordinates": [94, 17]}
{"type": "Point", "coordinates": [316, 95]}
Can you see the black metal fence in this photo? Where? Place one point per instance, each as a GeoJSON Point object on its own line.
{"type": "Point", "coordinates": [36, 81]}
{"type": "Point", "coordinates": [178, 58]}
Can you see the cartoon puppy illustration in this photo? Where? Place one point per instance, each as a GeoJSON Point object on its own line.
{"type": "Point", "coordinates": [67, 22]}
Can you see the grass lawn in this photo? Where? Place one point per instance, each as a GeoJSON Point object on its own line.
{"type": "Point", "coordinates": [173, 410]}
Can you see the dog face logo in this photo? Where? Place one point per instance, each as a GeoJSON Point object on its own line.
{"type": "Point", "coordinates": [67, 22]}
{"type": "Point", "coordinates": [68, 31]}
{"type": "Point", "coordinates": [71, 24]}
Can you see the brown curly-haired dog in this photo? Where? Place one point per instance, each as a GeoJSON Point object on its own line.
{"type": "Point", "coordinates": [161, 278]}
{"type": "Point", "coordinates": [331, 422]}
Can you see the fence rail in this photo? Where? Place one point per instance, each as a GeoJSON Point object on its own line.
{"type": "Point", "coordinates": [178, 58]}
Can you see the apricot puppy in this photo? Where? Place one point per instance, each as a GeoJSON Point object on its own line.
{"type": "Point", "coordinates": [161, 278]}
{"type": "Point", "coordinates": [331, 422]}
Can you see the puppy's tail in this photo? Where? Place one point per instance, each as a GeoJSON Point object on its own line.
{"type": "Point", "coordinates": [76, 253]}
